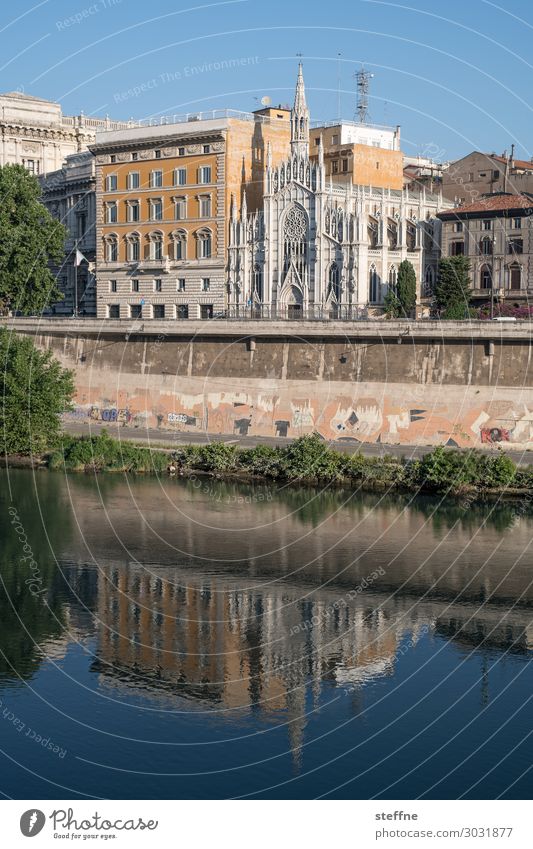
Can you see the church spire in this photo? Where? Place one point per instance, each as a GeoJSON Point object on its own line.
{"type": "Point", "coordinates": [300, 119]}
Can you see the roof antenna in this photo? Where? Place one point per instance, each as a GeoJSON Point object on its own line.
{"type": "Point", "coordinates": [363, 85]}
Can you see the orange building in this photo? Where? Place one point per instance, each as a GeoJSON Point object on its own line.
{"type": "Point", "coordinates": [163, 200]}
{"type": "Point", "coordinates": [362, 154]}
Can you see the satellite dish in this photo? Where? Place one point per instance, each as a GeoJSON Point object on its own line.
{"type": "Point", "coordinates": [266, 100]}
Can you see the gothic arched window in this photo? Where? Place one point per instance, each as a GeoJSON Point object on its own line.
{"type": "Point", "coordinates": [429, 280]}
{"type": "Point", "coordinates": [334, 287]}
{"type": "Point", "coordinates": [393, 277]}
{"type": "Point", "coordinates": [258, 283]}
{"type": "Point", "coordinates": [295, 241]}
{"type": "Point", "coordinates": [374, 285]}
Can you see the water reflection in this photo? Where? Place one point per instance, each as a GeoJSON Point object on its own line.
{"type": "Point", "coordinates": [223, 601]}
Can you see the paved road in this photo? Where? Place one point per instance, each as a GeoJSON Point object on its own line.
{"type": "Point", "coordinates": [171, 439]}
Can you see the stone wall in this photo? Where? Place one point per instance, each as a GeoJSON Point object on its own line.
{"type": "Point", "coordinates": [426, 383]}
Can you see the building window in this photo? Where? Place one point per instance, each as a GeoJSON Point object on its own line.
{"type": "Point", "coordinates": [206, 284]}
{"type": "Point", "coordinates": [207, 148]}
{"type": "Point", "coordinates": [181, 284]}
{"type": "Point", "coordinates": [180, 176]}
{"type": "Point", "coordinates": [374, 286]}
{"type": "Point", "coordinates": [156, 246]}
{"type": "Point", "coordinates": [206, 311]}
{"type": "Point", "coordinates": [82, 224]}
{"type": "Point", "coordinates": [428, 282]}
{"type": "Point", "coordinates": [111, 213]}
{"type": "Point", "coordinates": [204, 245]}
{"type": "Point", "coordinates": [135, 285]}
{"type": "Point", "coordinates": [157, 154]}
{"type": "Point", "coordinates": [517, 223]}
{"type": "Point", "coordinates": [134, 248]}
{"type": "Point", "coordinates": [204, 174]}
{"type": "Point", "coordinates": [486, 224]}
{"type": "Point", "coordinates": [335, 166]}
{"type": "Point", "coordinates": [393, 277]}
{"type": "Point", "coordinates": [156, 210]}
{"type": "Point", "coordinates": [111, 249]}
{"type": "Point", "coordinates": [485, 247]}
{"type": "Point", "coordinates": [180, 244]}
{"type": "Point", "coordinates": [180, 208]}
{"type": "Point", "coordinates": [158, 285]}
{"type": "Point", "coordinates": [515, 275]}
{"type": "Point", "coordinates": [515, 246]}
{"type": "Point", "coordinates": [457, 248]}
{"type": "Point", "coordinates": [334, 139]}
{"type": "Point", "coordinates": [136, 311]}
{"type": "Point", "coordinates": [182, 311]}
{"type": "Point", "coordinates": [133, 180]}
{"type": "Point", "coordinates": [112, 158]}
{"type": "Point", "coordinates": [205, 206]}
{"type": "Point", "coordinates": [458, 227]}
{"type": "Point", "coordinates": [345, 165]}
{"type": "Point", "coordinates": [495, 175]}
{"type": "Point", "coordinates": [112, 285]}
{"type": "Point", "coordinates": [132, 210]}
{"type": "Point", "coordinates": [156, 179]}
{"type": "Point", "coordinates": [410, 237]}
{"type": "Point", "coordinates": [134, 157]}
{"type": "Point", "coordinates": [258, 283]}
{"type": "Point", "coordinates": [113, 311]}
{"type": "Point", "coordinates": [159, 310]}
{"type": "Point", "coordinates": [181, 151]}
{"type": "Point", "coordinates": [111, 183]}
{"type": "Point", "coordinates": [485, 277]}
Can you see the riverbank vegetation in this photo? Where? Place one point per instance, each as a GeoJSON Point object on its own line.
{"type": "Point", "coordinates": [308, 460]}
{"type": "Point", "coordinates": [34, 391]}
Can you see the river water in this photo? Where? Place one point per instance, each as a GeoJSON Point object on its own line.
{"type": "Point", "coordinates": [199, 639]}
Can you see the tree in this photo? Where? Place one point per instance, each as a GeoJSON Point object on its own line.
{"type": "Point", "coordinates": [452, 292]}
{"type": "Point", "coordinates": [34, 391]}
{"type": "Point", "coordinates": [400, 299]}
{"type": "Point", "coordinates": [30, 238]}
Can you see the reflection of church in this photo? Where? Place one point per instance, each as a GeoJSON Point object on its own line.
{"type": "Point", "coordinates": [325, 248]}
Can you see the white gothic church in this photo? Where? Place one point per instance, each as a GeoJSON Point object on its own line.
{"type": "Point", "coordinates": [319, 249]}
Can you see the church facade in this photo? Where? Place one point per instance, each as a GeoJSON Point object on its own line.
{"type": "Point", "coordinates": [320, 249]}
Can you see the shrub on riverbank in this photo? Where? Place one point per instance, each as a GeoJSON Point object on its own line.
{"type": "Point", "coordinates": [102, 453]}
{"type": "Point", "coordinates": [34, 391]}
{"type": "Point", "coordinates": [308, 459]}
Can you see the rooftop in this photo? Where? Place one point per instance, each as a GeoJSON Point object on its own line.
{"type": "Point", "coordinates": [498, 202]}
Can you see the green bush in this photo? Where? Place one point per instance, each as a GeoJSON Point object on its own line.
{"type": "Point", "coordinates": [217, 457]}
{"type": "Point", "coordinates": [262, 460]}
{"type": "Point", "coordinates": [309, 458]}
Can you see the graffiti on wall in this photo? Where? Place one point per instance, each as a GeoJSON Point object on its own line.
{"type": "Point", "coordinates": [494, 434]}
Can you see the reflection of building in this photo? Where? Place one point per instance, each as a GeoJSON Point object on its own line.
{"type": "Point", "coordinates": [69, 195]}
{"type": "Point", "coordinates": [210, 640]}
{"type": "Point", "coordinates": [36, 134]}
{"type": "Point", "coordinates": [323, 245]}
{"type": "Point", "coordinates": [495, 233]}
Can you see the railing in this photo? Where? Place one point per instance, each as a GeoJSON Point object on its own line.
{"type": "Point", "coordinates": [264, 312]}
{"type": "Point", "coordinates": [211, 115]}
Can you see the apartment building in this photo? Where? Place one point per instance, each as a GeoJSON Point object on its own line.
{"type": "Point", "coordinates": [495, 233]}
{"type": "Point", "coordinates": [362, 154]}
{"type": "Point", "coordinates": [163, 200]}
{"type": "Point", "coordinates": [478, 174]}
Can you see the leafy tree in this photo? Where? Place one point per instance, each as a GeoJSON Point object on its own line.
{"type": "Point", "coordinates": [30, 238]}
{"type": "Point", "coordinates": [400, 299]}
{"type": "Point", "coordinates": [34, 391]}
{"type": "Point", "coordinates": [452, 291]}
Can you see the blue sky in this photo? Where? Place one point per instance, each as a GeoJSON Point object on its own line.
{"type": "Point", "coordinates": [455, 76]}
